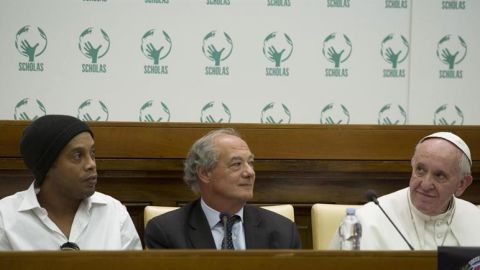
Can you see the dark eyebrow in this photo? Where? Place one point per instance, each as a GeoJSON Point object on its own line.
{"type": "Point", "coordinates": [440, 172]}
{"type": "Point", "coordinates": [76, 149]}
{"type": "Point", "coordinates": [81, 149]}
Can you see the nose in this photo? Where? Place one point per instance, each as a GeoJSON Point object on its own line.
{"type": "Point", "coordinates": [248, 170]}
{"type": "Point", "coordinates": [91, 163]}
{"type": "Point", "coordinates": [426, 182]}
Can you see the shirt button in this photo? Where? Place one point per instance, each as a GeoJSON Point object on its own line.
{"type": "Point", "coordinates": [439, 235]}
{"type": "Point", "coordinates": [439, 223]}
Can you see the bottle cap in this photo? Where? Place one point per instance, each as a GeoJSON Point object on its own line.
{"type": "Point", "coordinates": [350, 211]}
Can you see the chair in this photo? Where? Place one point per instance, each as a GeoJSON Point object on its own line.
{"type": "Point", "coordinates": [153, 211]}
{"type": "Point", "coordinates": [325, 220]}
{"type": "Point", "coordinates": [285, 210]}
{"type": "Point", "coordinates": [150, 212]}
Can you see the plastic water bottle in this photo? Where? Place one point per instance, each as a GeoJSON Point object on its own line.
{"type": "Point", "coordinates": [350, 231]}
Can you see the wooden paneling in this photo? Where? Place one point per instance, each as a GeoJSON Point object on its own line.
{"type": "Point", "coordinates": [212, 260]}
{"type": "Point", "coordinates": [141, 163]}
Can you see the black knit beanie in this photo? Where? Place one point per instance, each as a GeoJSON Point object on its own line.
{"type": "Point", "coordinates": [43, 140]}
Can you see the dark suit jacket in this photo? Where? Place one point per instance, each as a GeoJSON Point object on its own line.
{"type": "Point", "coordinates": [188, 228]}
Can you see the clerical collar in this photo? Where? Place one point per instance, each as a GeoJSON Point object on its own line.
{"type": "Point", "coordinates": [444, 216]}
{"type": "Point", "coordinates": [420, 219]}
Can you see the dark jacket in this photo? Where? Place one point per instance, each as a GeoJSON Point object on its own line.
{"type": "Point", "coordinates": [187, 228]}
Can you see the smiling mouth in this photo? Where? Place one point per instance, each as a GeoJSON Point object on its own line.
{"type": "Point", "coordinates": [426, 195]}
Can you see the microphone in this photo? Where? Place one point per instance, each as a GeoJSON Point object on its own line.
{"type": "Point", "coordinates": [372, 197]}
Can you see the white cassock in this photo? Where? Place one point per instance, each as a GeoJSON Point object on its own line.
{"type": "Point", "coordinates": [459, 226]}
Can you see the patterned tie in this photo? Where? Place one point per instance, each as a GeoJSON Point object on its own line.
{"type": "Point", "coordinates": [227, 221]}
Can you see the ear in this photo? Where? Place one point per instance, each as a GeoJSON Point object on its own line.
{"type": "Point", "coordinates": [463, 184]}
{"type": "Point", "coordinates": [203, 174]}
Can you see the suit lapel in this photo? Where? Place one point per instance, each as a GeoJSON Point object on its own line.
{"type": "Point", "coordinates": [198, 229]}
{"type": "Point", "coordinates": [255, 235]}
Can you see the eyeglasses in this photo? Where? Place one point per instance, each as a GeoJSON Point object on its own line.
{"type": "Point", "coordinates": [69, 246]}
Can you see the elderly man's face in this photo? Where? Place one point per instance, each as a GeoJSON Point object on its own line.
{"type": "Point", "coordinates": [436, 176]}
{"type": "Point", "coordinates": [232, 179]}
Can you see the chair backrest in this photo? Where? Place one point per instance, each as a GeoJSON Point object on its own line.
{"type": "Point", "coordinates": [325, 220]}
{"type": "Point", "coordinates": [150, 212]}
{"type": "Point", "coordinates": [285, 210]}
{"type": "Point", "coordinates": [153, 211]}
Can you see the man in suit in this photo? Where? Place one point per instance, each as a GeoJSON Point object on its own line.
{"type": "Point", "coordinates": [219, 167]}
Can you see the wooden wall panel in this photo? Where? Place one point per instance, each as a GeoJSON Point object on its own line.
{"type": "Point", "coordinates": [141, 163]}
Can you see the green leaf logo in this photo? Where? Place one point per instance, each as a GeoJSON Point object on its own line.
{"type": "Point", "coordinates": [94, 43]}
{"type": "Point", "coordinates": [391, 114]}
{"type": "Point", "coordinates": [215, 112]}
{"type": "Point", "coordinates": [277, 47]}
{"type": "Point", "coordinates": [154, 111]}
{"type": "Point", "coordinates": [29, 109]}
{"type": "Point", "coordinates": [156, 45]}
{"type": "Point", "coordinates": [217, 47]}
{"type": "Point", "coordinates": [448, 115]}
{"type": "Point", "coordinates": [92, 110]}
{"type": "Point", "coordinates": [337, 48]}
{"type": "Point", "coordinates": [274, 113]}
{"type": "Point", "coordinates": [31, 42]}
{"type": "Point", "coordinates": [451, 50]}
{"type": "Point", "coordinates": [395, 49]}
{"type": "Point", "coordinates": [334, 114]}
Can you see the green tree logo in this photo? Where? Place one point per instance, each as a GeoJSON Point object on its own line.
{"type": "Point", "coordinates": [392, 115]}
{"type": "Point", "coordinates": [448, 115]}
{"type": "Point", "coordinates": [156, 45]}
{"type": "Point", "coordinates": [334, 114]}
{"type": "Point", "coordinates": [217, 47]}
{"type": "Point", "coordinates": [337, 48]}
{"type": "Point", "coordinates": [94, 43]}
{"type": "Point", "coordinates": [215, 112]}
{"type": "Point", "coordinates": [395, 49]}
{"type": "Point", "coordinates": [154, 111]}
{"type": "Point", "coordinates": [91, 110]}
{"type": "Point", "coordinates": [29, 109]}
{"type": "Point", "coordinates": [31, 42]}
{"type": "Point", "coordinates": [275, 114]}
{"type": "Point", "coordinates": [451, 50]}
{"type": "Point", "coordinates": [277, 47]}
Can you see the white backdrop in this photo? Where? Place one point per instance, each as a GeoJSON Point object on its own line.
{"type": "Point", "coordinates": [242, 61]}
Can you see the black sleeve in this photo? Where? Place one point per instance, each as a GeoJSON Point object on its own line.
{"type": "Point", "coordinates": [155, 237]}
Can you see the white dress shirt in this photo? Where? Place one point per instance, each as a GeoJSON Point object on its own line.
{"type": "Point", "coordinates": [213, 218]}
{"type": "Point", "coordinates": [100, 223]}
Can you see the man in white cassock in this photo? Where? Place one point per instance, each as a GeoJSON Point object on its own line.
{"type": "Point", "coordinates": [428, 212]}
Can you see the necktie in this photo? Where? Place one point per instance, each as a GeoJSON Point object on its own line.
{"type": "Point", "coordinates": [227, 221]}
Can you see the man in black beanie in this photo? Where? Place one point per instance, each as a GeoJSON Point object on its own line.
{"type": "Point", "coordinates": [61, 209]}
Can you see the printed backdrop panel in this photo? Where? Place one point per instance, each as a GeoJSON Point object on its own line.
{"type": "Point", "coordinates": [444, 81]}
{"type": "Point", "coordinates": [387, 62]}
